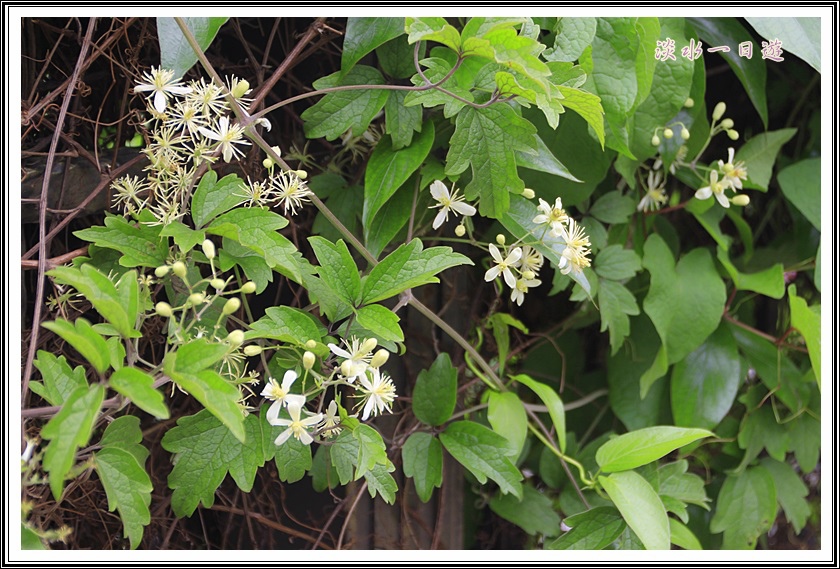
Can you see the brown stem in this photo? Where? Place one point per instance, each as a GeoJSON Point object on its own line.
{"type": "Point", "coordinates": [56, 261]}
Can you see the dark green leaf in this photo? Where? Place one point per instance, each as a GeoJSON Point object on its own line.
{"type": "Point", "coordinates": [790, 491]}
{"type": "Point", "coordinates": [573, 36]}
{"type": "Point", "coordinates": [552, 401]}
{"type": "Point", "coordinates": [381, 321]}
{"type": "Point", "coordinates": [217, 395]}
{"type": "Point", "coordinates": [139, 387]}
{"type": "Point", "coordinates": [759, 156]}
{"type": "Point", "coordinates": [760, 430]}
{"type": "Point", "coordinates": [435, 392]}
{"type": "Point", "coordinates": [293, 460]}
{"type": "Point", "coordinates": [252, 263]}
{"type": "Point", "coordinates": [482, 452]}
{"type": "Point", "coordinates": [139, 244]}
{"type": "Point", "coordinates": [175, 51]}
{"type": "Point", "coordinates": [507, 416]}
{"type": "Point", "coordinates": [290, 325]}
{"type": "Point", "coordinates": [769, 282]}
{"type": "Point", "coordinates": [534, 512]}
{"type": "Point", "coordinates": [401, 122]}
{"type": "Point", "coordinates": [337, 268]}
{"type": "Point", "coordinates": [617, 263]}
{"type": "Point", "coordinates": [616, 303]}
{"type": "Point", "coordinates": [591, 530]}
{"type": "Point", "coordinates": [643, 446]}
{"type": "Point", "coordinates": [800, 184]}
{"type": "Point", "coordinates": [59, 381]}
{"type": "Point", "coordinates": [84, 339]}
{"type": "Point", "coordinates": [805, 440]}
{"type": "Point", "coordinates": [613, 208]}
{"type": "Point", "coordinates": [363, 35]}
{"type": "Point", "coordinates": [184, 237]}
{"type": "Point", "coordinates": [213, 197]}
{"type": "Point", "coordinates": [746, 508]}
{"type": "Point", "coordinates": [544, 161]}
{"type": "Point", "coordinates": [800, 36]}
{"type": "Point", "coordinates": [422, 458]}
{"type": "Point", "coordinates": [380, 481]}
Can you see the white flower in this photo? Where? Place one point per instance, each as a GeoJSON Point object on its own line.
{"type": "Point", "coordinates": [279, 393]}
{"type": "Point", "coordinates": [226, 134]}
{"type": "Point", "coordinates": [574, 257]}
{"type": "Point", "coordinates": [517, 295]}
{"type": "Point", "coordinates": [291, 191]}
{"type": "Point", "coordinates": [531, 260]}
{"type": "Point", "coordinates": [357, 359]}
{"type": "Point", "coordinates": [733, 172]}
{"type": "Point", "coordinates": [331, 420]}
{"type": "Point", "coordinates": [296, 425]}
{"type": "Point", "coordinates": [655, 196]}
{"type": "Point", "coordinates": [447, 202]}
{"type": "Point", "coordinates": [162, 85]}
{"type": "Point", "coordinates": [553, 216]}
{"type": "Point", "coordinates": [379, 393]}
{"type": "Point", "coordinates": [503, 265]}
{"type": "Point", "coordinates": [714, 187]}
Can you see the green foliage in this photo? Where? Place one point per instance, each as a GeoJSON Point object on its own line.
{"type": "Point", "coordinates": [640, 507]}
{"type": "Point", "coordinates": [58, 380]}
{"type": "Point", "coordinates": [363, 35]}
{"type": "Point", "coordinates": [139, 244]}
{"type": "Point", "coordinates": [800, 184]}
{"type": "Point", "coordinates": [175, 51]}
{"type": "Point", "coordinates": [591, 530]}
{"type": "Point", "coordinates": [800, 36]}
{"type": "Point", "coordinates": [484, 453]}
{"type": "Point", "coordinates": [533, 513]}
{"type": "Point", "coordinates": [746, 507]}
{"type": "Point", "coordinates": [507, 416]}
{"type": "Point", "coordinates": [138, 386]}
{"type": "Point", "coordinates": [84, 339]}
{"type": "Point", "coordinates": [643, 446]}
{"type": "Point", "coordinates": [435, 392]}
{"type": "Point", "coordinates": [213, 197]}
{"type": "Point", "coordinates": [759, 155]}
{"type": "Point", "coordinates": [422, 458]}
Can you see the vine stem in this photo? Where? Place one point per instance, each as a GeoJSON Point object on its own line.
{"type": "Point", "coordinates": [560, 455]}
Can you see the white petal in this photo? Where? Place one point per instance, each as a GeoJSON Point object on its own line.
{"type": "Point", "coordinates": [283, 437]}
{"type": "Point", "coordinates": [463, 208]}
{"type": "Point", "coordinates": [368, 408]}
{"type": "Point", "coordinates": [703, 193]}
{"type": "Point", "coordinates": [492, 273]}
{"type": "Point", "coordinates": [339, 352]}
{"type": "Point", "coordinates": [540, 219]}
{"type": "Point", "coordinates": [306, 438]}
{"type": "Point", "coordinates": [160, 102]}
{"type": "Point", "coordinates": [514, 256]}
{"type": "Point", "coordinates": [208, 133]}
{"type": "Point", "coordinates": [509, 278]}
{"type": "Point", "coordinates": [731, 154]}
{"type": "Point", "coordinates": [440, 218]}
{"type": "Point", "coordinates": [288, 379]}
{"type": "Point", "coordinates": [144, 87]}
{"type": "Point", "coordinates": [313, 420]}
{"type": "Point", "coordinates": [179, 90]}
{"type": "Point", "coordinates": [295, 403]}
{"type": "Point", "coordinates": [494, 252]}
{"type": "Point", "coordinates": [722, 199]}
{"type": "Point", "coordinates": [439, 190]}
{"type": "Point", "coordinates": [273, 412]}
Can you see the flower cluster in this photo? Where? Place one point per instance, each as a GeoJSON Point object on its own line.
{"type": "Point", "coordinates": [729, 175]}
{"type": "Point", "coordinates": [376, 389]}
{"type": "Point", "coordinates": [449, 202]}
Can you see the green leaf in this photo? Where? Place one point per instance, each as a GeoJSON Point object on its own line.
{"type": "Point", "coordinates": [395, 58]}
{"type": "Point", "coordinates": [213, 197]}
{"type": "Point", "coordinates": [407, 267]}
{"type": "Point", "coordinates": [433, 29]}
{"type": "Point", "coordinates": [613, 208]}
{"type": "Point", "coordinates": [751, 72]}
{"type": "Point", "coordinates": [682, 537]}
{"type": "Point", "coordinates": [139, 244]}
{"type": "Point", "coordinates": [337, 268]}
{"type": "Point", "coordinates": [84, 339]}
{"type": "Point", "coordinates": [68, 430]}
{"type": "Point", "coordinates": [790, 492]}
{"type": "Point", "coordinates": [769, 282]}
{"type": "Point", "coordinates": [482, 452]}
{"type": "Point", "coordinates": [129, 489]}
{"type": "Point", "coordinates": [184, 237]}
{"type": "Point", "coordinates": [391, 219]}
{"type": "Point", "coordinates": [344, 455]}
{"type": "Point", "coordinates": [799, 36]}
{"type": "Point", "coordinates": [371, 449]}
{"type": "Point", "coordinates": [194, 356]}
{"type": "Point", "coordinates": [381, 321]}
{"type": "Point", "coordinates": [124, 433]}
{"type": "Point", "coordinates": [175, 52]}
{"type": "Point", "coordinates": [352, 109]}
{"type": "Point", "coordinates": [544, 161]}
{"type": "Point", "coordinates": [616, 303]}
{"type": "Point", "coordinates": [617, 263]}
{"type": "Point", "coordinates": [401, 121]}
{"type": "Point", "coordinates": [206, 450]}
{"type": "Point", "coordinates": [29, 540]}
{"type": "Point", "coordinates": [323, 472]}
{"type": "Point", "coordinates": [573, 35]}
{"type": "Point", "coordinates": [534, 512]}
{"type": "Point", "coordinates": [800, 184]}
{"type": "Point", "coordinates": [293, 460]}
{"type": "Point", "coordinates": [380, 481]}
{"type": "Point", "coordinates": [591, 530]}
{"type": "Point", "coordinates": [746, 508]}
{"type": "Point", "coordinates": [759, 155]}
{"type": "Point", "coordinates": [685, 302]}
{"type": "Point", "coordinates": [614, 65]}
{"type": "Point", "coordinates": [675, 482]}
{"type": "Point", "coordinates": [760, 430]}
{"type": "Point", "coordinates": [550, 399]}
{"type": "Point", "coordinates": [643, 446]}
{"type": "Point", "coordinates": [705, 383]}
{"type": "Point", "coordinates": [363, 35]}
{"type": "Point", "coordinates": [805, 440]}
{"type": "Point", "coordinates": [500, 322]}
{"type": "Point", "coordinates": [139, 387]}
{"type": "Point", "coordinates": [640, 507]}
{"type": "Point", "coordinates": [488, 139]}
{"type": "Point", "coordinates": [422, 458]}
{"type": "Point", "coordinates": [217, 395]}
{"type": "Point", "coordinates": [59, 381]}
{"type": "Point", "coordinates": [435, 393]}
{"type": "Point", "coordinates": [286, 324]}
{"type": "Point", "coordinates": [507, 416]}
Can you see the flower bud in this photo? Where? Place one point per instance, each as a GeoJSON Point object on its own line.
{"type": "Point", "coordinates": [249, 287]}
{"type": "Point", "coordinates": [180, 269]}
{"type": "Point", "coordinates": [688, 103]}
{"type": "Point", "coordinates": [684, 134]}
{"type": "Point", "coordinates": [740, 199]}
{"type": "Point", "coordinates": [732, 134]}
{"type": "Point", "coordinates": [528, 194]}
{"type": "Point", "coordinates": [196, 298]}
{"type": "Point", "coordinates": [308, 360]}
{"type": "Point", "coordinates": [528, 275]}
{"type": "Point", "coordinates": [209, 249]}
{"type": "Point", "coordinates": [240, 88]}
{"type": "Point", "coordinates": [162, 271]}
{"type": "Point", "coordinates": [163, 309]}
{"type": "Point", "coordinates": [368, 345]}
{"type": "Point", "coordinates": [311, 344]}
{"type": "Point", "coordinates": [727, 123]}
{"type": "Point", "coordinates": [379, 358]}
{"type": "Point", "coordinates": [252, 350]}
{"type": "Point", "coordinates": [268, 163]}
{"type": "Point", "coordinates": [301, 174]}
{"type": "Point", "coordinates": [500, 239]}
{"type": "Point", "coordinates": [655, 141]}
{"type": "Point", "coordinates": [720, 108]}
{"type": "Point", "coordinates": [236, 338]}
{"type": "Point", "coordinates": [217, 283]}
{"type": "Point", "coordinates": [346, 368]}
{"type": "Point", "coordinates": [668, 133]}
{"type": "Point", "coordinates": [460, 230]}
{"type": "Point", "coordinates": [231, 306]}
{"type": "Point", "coordinates": [277, 150]}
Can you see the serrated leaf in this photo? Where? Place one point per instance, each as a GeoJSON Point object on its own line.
{"type": "Point", "coordinates": [487, 139]}
{"type": "Point", "coordinates": [194, 356]}
{"type": "Point", "coordinates": [552, 401]}
{"type": "Point", "coordinates": [371, 449]}
{"type": "Point", "coordinates": [252, 263]}
{"type": "Point", "coordinates": [407, 267]}
{"type": "Point", "coordinates": [613, 208]}
{"type": "Point", "coordinates": [760, 430]}
{"type": "Point", "coordinates": [640, 507]}
{"type": "Point", "coordinates": [217, 395]}
{"type": "Point", "coordinates": [213, 197]}
{"type": "Point", "coordinates": [573, 35]}
{"type": "Point", "coordinates": [705, 383]}
{"type": "Point", "coordinates": [337, 268]}
{"type": "Point", "coordinates": [422, 458]}
{"type": "Point", "coordinates": [800, 184]}
{"type": "Point", "coordinates": [380, 481]}
{"type": "Point", "coordinates": [588, 106]}
{"type": "Point", "coordinates": [613, 74]}
{"type": "Point", "coordinates": [436, 391]}
{"type": "Point", "coordinates": [287, 324]}
{"type": "Point", "coordinates": [459, 83]}
{"type": "Point", "coordinates": [175, 51]}
{"type": "Point", "coordinates": [139, 387]}
{"type": "Point", "coordinates": [534, 513]}
{"type": "Point", "coordinates": [363, 35]}
{"type": "Point", "coordinates": [482, 452]}
{"type": "Point", "coordinates": [59, 381]}
{"type": "Point", "coordinates": [433, 29]}
{"type": "Point", "coordinates": [677, 483]}
{"type": "Point", "coordinates": [381, 321]}
{"type": "Point", "coordinates": [643, 446]}
{"type": "Point", "coordinates": [184, 237]}
{"type": "Point", "coordinates": [84, 339]}
{"type": "Point", "coordinates": [759, 156]}
{"type": "Point", "coordinates": [506, 414]}
{"type": "Point", "coordinates": [769, 282]}
{"type": "Point", "coordinates": [617, 263]}
{"type": "Point", "coordinates": [745, 508]}
{"type": "Point", "coordinates": [800, 36]}
{"type": "Point", "coordinates": [352, 109]}
{"type": "Point", "coordinates": [401, 121]}
{"type": "Point", "coordinates": [391, 219]}
{"type": "Point", "coordinates": [805, 440]}
{"type": "Point", "coordinates": [139, 244]}
{"type": "Point", "coordinates": [129, 490]}
{"type": "Point", "coordinates": [751, 72]}
{"type": "Point", "coordinates": [68, 430]}
{"type": "Point", "coordinates": [790, 492]}
{"type": "Point", "coordinates": [344, 456]}
{"type": "Point", "coordinates": [293, 460]}
{"type": "Point", "coordinates": [124, 433]}
{"type": "Point", "coordinates": [388, 169]}
{"type": "Point", "coordinates": [206, 451]}
{"type": "Point", "coordinates": [616, 304]}
{"type": "Point", "coordinates": [591, 530]}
